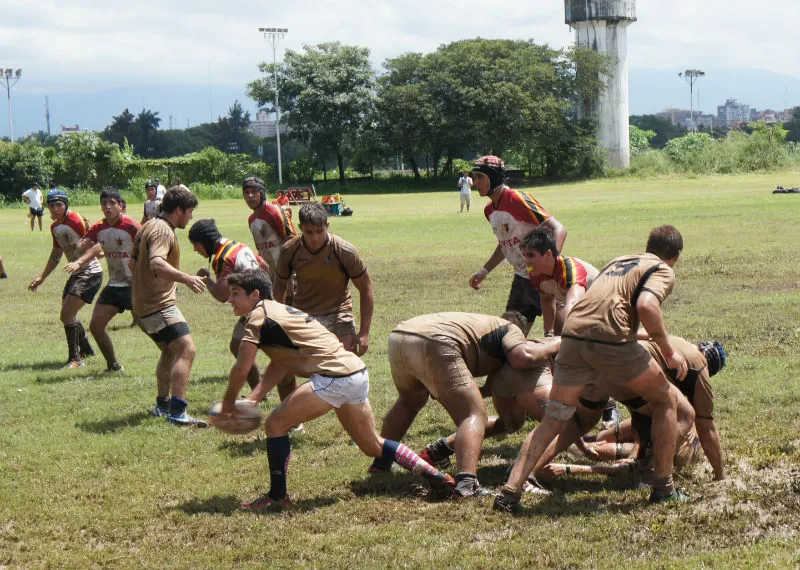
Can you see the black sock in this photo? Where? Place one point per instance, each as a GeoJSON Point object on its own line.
{"type": "Point", "coordinates": [85, 345]}
{"type": "Point", "coordinates": [163, 402]}
{"type": "Point", "coordinates": [177, 406]}
{"type": "Point", "coordinates": [466, 483]}
{"type": "Point", "coordinates": [278, 451]}
{"type": "Point", "coordinates": [73, 342]}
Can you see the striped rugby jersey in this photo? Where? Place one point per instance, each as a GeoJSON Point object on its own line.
{"type": "Point", "coordinates": [516, 214]}
{"type": "Point", "coordinates": [568, 271]}
{"type": "Point", "coordinates": [232, 257]}
{"type": "Point", "coordinates": [270, 227]}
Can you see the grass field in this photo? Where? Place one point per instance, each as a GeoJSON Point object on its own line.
{"type": "Point", "coordinates": [89, 480]}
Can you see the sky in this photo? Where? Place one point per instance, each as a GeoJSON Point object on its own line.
{"type": "Point", "coordinates": [88, 46]}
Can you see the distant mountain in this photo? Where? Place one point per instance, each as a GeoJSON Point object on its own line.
{"type": "Point", "coordinates": [94, 111]}
{"type": "Point", "coordinates": [653, 90]}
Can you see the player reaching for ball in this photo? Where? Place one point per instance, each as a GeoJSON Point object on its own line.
{"type": "Point", "coordinates": [338, 381]}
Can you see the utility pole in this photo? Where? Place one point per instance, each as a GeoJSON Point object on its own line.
{"type": "Point", "coordinates": [47, 113]}
{"type": "Point", "coordinates": [691, 76]}
{"type": "Point", "coordinates": [8, 79]}
{"type": "Point", "coordinates": [272, 35]}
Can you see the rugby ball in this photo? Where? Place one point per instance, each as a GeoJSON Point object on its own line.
{"type": "Point", "coordinates": [246, 418]}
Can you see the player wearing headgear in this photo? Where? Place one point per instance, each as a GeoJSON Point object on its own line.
{"type": "Point", "coordinates": [338, 380]}
{"type": "Point", "coordinates": [270, 225]}
{"type": "Point", "coordinates": [113, 236]}
{"type": "Point", "coordinates": [156, 274]}
{"type": "Point", "coordinates": [152, 202]}
{"type": "Point", "coordinates": [600, 338]}
{"type": "Point", "coordinates": [68, 229]}
{"type": "Point", "coordinates": [225, 257]}
{"type": "Point", "coordinates": [512, 215]}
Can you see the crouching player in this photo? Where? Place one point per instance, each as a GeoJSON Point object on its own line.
{"type": "Point", "coordinates": [301, 346]}
{"type": "Point", "coordinates": [113, 236]}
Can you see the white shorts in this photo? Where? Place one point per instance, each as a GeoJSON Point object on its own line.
{"type": "Point", "coordinates": [341, 390]}
{"type": "Point", "coordinates": [466, 199]}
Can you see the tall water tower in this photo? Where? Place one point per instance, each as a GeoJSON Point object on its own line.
{"type": "Point", "coordinates": [601, 25]}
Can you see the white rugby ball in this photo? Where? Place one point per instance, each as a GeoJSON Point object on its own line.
{"type": "Point", "coordinates": [245, 418]}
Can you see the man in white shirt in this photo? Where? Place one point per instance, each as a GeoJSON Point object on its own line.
{"type": "Point", "coordinates": [33, 198]}
{"type": "Point", "coordinates": [160, 190]}
{"type": "Point", "coordinates": [465, 184]}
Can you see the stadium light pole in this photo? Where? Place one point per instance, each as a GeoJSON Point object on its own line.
{"type": "Point", "coordinates": [9, 78]}
{"type": "Point", "coordinates": [272, 35]}
{"type": "Point", "coordinates": [691, 76]}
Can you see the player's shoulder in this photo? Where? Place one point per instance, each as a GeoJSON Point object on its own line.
{"type": "Point", "coordinates": [129, 224]}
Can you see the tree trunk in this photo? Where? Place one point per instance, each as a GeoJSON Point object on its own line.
{"type": "Point", "coordinates": [340, 161]}
{"type": "Point", "coordinates": [448, 166]}
{"type": "Point", "coordinates": [413, 162]}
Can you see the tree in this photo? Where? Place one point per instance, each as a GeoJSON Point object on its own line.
{"type": "Point", "coordinates": [640, 140]}
{"type": "Point", "coordinates": [326, 93]}
{"type": "Point", "coordinates": [143, 133]}
{"type": "Point", "coordinates": [120, 128]}
{"type": "Point", "coordinates": [665, 131]}
{"type": "Point", "coordinates": [232, 130]}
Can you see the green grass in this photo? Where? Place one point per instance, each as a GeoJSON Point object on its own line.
{"type": "Point", "coordinates": [88, 479]}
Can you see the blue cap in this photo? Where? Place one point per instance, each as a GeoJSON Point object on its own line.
{"type": "Point", "coordinates": [57, 196]}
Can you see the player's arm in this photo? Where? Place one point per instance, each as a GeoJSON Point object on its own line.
{"type": "Point", "coordinates": [494, 260]}
{"type": "Point", "coordinates": [273, 375]}
{"type": "Point", "coordinates": [164, 270]}
{"type": "Point", "coordinates": [219, 289]}
{"type": "Point", "coordinates": [52, 263]}
{"type": "Point", "coordinates": [245, 357]}
{"type": "Point", "coordinates": [529, 354]}
{"type": "Point", "coordinates": [279, 289]}
{"type": "Point", "coordinates": [548, 313]}
{"type": "Point", "coordinates": [709, 441]}
{"type": "Point", "coordinates": [88, 255]}
{"type": "Point", "coordinates": [648, 306]}
{"type": "Point", "coordinates": [559, 232]}
{"type": "Point", "coordinates": [366, 308]}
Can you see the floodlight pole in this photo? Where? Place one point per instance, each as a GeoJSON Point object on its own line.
{"type": "Point", "coordinates": [272, 35]}
{"type": "Point", "coordinates": [9, 78]}
{"type": "Point", "coordinates": [691, 76]}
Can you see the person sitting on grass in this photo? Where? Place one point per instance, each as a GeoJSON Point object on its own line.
{"type": "Point", "coordinates": [297, 345]}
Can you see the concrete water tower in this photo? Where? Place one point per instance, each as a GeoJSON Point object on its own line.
{"type": "Point", "coordinates": [601, 25]}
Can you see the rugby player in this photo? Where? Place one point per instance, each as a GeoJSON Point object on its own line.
{"type": "Point", "coordinates": [512, 215]}
{"type": "Point", "coordinates": [151, 203]}
{"type": "Point", "coordinates": [324, 264]}
{"type": "Point", "coordinates": [68, 229]}
{"type": "Point", "coordinates": [439, 355]}
{"type": "Point", "coordinates": [600, 338]}
{"type": "Point", "coordinates": [155, 259]}
{"type": "Point", "coordinates": [225, 256]}
{"type": "Point", "coordinates": [270, 225]}
{"type": "Point", "coordinates": [113, 237]}
{"type": "Point", "coordinates": [297, 345]}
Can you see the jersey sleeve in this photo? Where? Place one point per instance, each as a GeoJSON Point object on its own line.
{"type": "Point", "coordinates": [280, 222]}
{"type": "Point", "coordinates": [660, 282]}
{"type": "Point", "coordinates": [512, 338]}
{"type": "Point", "coordinates": [283, 267]}
{"type": "Point", "coordinates": [351, 260]}
{"type": "Point", "coordinates": [93, 231]}
{"type": "Point", "coordinates": [252, 326]}
{"type": "Point", "coordinates": [574, 273]}
{"type": "Point", "coordinates": [160, 242]}
{"type": "Point", "coordinates": [526, 208]}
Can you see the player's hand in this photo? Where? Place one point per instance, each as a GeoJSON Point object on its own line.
{"type": "Point", "coordinates": [203, 272]}
{"type": "Point", "coordinates": [195, 283]}
{"type": "Point", "coordinates": [35, 284]}
{"type": "Point", "coordinates": [72, 267]}
{"type": "Point", "coordinates": [475, 280]}
{"type": "Point", "coordinates": [677, 362]}
{"type": "Point", "coordinates": [552, 470]}
{"type": "Point", "coordinates": [228, 407]}
{"type": "Point", "coordinates": [587, 450]}
{"type": "Point", "coordinates": [362, 344]}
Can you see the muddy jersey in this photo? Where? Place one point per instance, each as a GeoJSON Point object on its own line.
{"type": "Point", "coordinates": [150, 292]}
{"type": "Point", "coordinates": [607, 312]}
{"type": "Point", "coordinates": [484, 340]}
{"type": "Point", "coordinates": [117, 242]}
{"type": "Point", "coordinates": [696, 386]}
{"type": "Point", "coordinates": [67, 236]}
{"type": "Point", "coordinates": [270, 226]}
{"type": "Point", "coordinates": [322, 276]}
{"type": "Point", "coordinates": [516, 215]}
{"type": "Point", "coordinates": [232, 257]}
{"type": "Point", "coordinates": [294, 340]}
{"type": "Point", "coordinates": [568, 271]}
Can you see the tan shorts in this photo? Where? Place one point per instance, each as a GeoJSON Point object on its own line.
{"type": "Point", "coordinates": [582, 363]}
{"type": "Point", "coordinates": [340, 324]}
{"type": "Point", "coordinates": [164, 326]}
{"type": "Point", "coordinates": [436, 364]}
{"type": "Point", "coordinates": [507, 382]}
